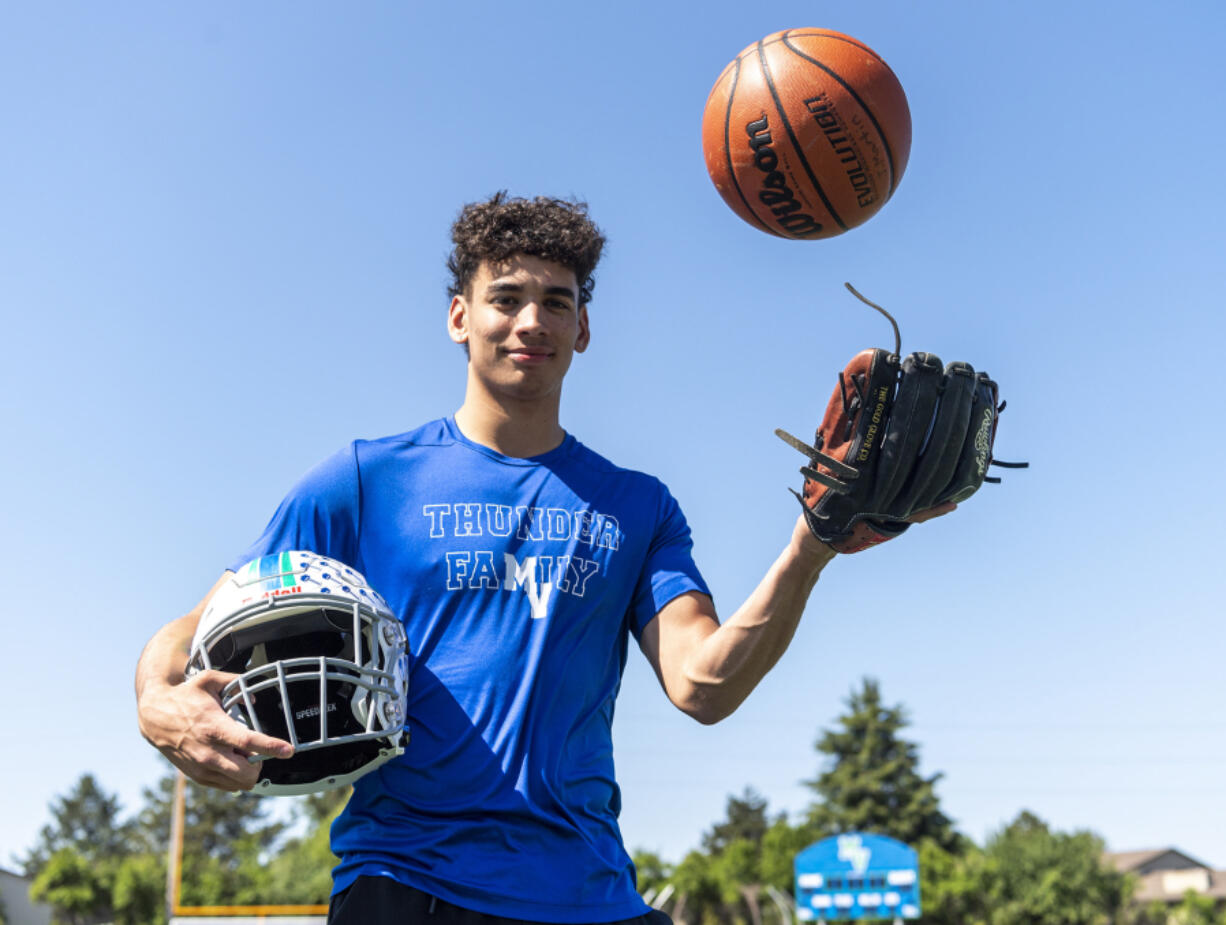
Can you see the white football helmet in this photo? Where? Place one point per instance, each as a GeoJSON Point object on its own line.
{"type": "Point", "coordinates": [322, 664]}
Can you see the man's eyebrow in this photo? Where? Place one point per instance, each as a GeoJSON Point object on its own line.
{"type": "Point", "coordinates": [508, 286]}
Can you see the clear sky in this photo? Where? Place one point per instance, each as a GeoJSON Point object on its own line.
{"type": "Point", "coordinates": [222, 235]}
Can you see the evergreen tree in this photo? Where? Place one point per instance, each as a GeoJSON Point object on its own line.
{"type": "Point", "coordinates": [86, 821]}
{"type": "Point", "coordinates": [744, 818]}
{"type": "Point", "coordinates": [227, 841]}
{"type": "Point", "coordinates": [872, 782]}
{"type": "Point", "coordinates": [746, 854]}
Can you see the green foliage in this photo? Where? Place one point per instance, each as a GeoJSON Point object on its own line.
{"type": "Point", "coordinates": [90, 865]}
{"type": "Point", "coordinates": [1030, 875]}
{"type": "Point", "coordinates": [1197, 909]}
{"type": "Point", "coordinates": [227, 841]}
{"type": "Point", "coordinates": [745, 819]}
{"type": "Point", "coordinates": [301, 871]}
{"type": "Point", "coordinates": [651, 871]}
{"type": "Point", "coordinates": [948, 890]}
{"type": "Point", "coordinates": [77, 889]}
{"type": "Point", "coordinates": [224, 827]}
{"type": "Point", "coordinates": [698, 890]}
{"type": "Point", "coordinates": [780, 845]}
{"type": "Point", "coordinates": [139, 892]}
{"type": "Point", "coordinates": [745, 855]}
{"type": "Point", "coordinates": [872, 782]}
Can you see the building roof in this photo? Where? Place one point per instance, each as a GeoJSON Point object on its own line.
{"type": "Point", "coordinates": [1167, 874]}
{"type": "Point", "coordinates": [1151, 859]}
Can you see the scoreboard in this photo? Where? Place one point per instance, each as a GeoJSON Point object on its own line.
{"type": "Point", "coordinates": [857, 876]}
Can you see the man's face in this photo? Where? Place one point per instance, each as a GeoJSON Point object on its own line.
{"type": "Point", "coordinates": [522, 323]}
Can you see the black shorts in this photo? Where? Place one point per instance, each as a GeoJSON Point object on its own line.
{"type": "Point", "coordinates": [384, 901]}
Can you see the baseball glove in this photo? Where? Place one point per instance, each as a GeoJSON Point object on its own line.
{"type": "Point", "coordinates": [898, 437]}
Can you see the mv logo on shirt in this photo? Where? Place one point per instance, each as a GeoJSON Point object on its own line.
{"type": "Point", "coordinates": [538, 576]}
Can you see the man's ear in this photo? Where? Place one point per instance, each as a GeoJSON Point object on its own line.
{"type": "Point", "coordinates": [457, 320]}
{"type": "Point", "coordinates": [585, 332]}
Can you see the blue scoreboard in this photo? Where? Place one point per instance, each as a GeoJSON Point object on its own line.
{"type": "Point", "coordinates": [857, 876]}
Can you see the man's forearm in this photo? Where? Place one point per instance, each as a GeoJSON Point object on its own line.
{"type": "Point", "coordinates": [708, 668]}
{"type": "Point", "coordinates": [164, 659]}
{"type": "Point", "coordinates": [163, 662]}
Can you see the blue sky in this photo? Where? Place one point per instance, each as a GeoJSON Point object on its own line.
{"type": "Point", "coordinates": [222, 234]}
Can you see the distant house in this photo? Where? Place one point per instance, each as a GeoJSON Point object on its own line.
{"type": "Point", "coordinates": [1165, 875]}
{"type": "Point", "coordinates": [15, 894]}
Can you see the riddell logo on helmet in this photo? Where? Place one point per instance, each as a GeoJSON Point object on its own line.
{"type": "Point", "coordinates": [281, 592]}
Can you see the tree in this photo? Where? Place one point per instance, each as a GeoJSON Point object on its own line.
{"type": "Point", "coordinates": [92, 866]}
{"type": "Point", "coordinates": [747, 853]}
{"type": "Point", "coordinates": [745, 819]}
{"type": "Point", "coordinates": [73, 864]}
{"type": "Point", "coordinates": [698, 892]}
{"type": "Point", "coordinates": [738, 874]}
{"type": "Point", "coordinates": [780, 845]}
{"type": "Point", "coordinates": [301, 871]}
{"type": "Point", "coordinates": [138, 895]}
{"type": "Point", "coordinates": [77, 889]}
{"type": "Point", "coordinates": [949, 890]}
{"type": "Point", "coordinates": [652, 873]}
{"type": "Point", "coordinates": [872, 782]}
{"type": "Point", "coordinates": [85, 820]}
{"type": "Point", "coordinates": [1030, 875]}
{"type": "Point", "coordinates": [1197, 909]}
{"type": "Point", "coordinates": [226, 841]}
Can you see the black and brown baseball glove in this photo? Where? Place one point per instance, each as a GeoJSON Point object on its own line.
{"type": "Point", "coordinates": [899, 437]}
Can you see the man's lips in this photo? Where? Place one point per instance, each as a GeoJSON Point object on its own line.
{"type": "Point", "coordinates": [529, 354]}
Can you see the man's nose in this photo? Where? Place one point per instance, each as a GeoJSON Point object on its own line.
{"type": "Point", "coordinates": [530, 318]}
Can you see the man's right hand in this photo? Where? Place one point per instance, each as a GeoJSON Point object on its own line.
{"type": "Point", "coordinates": [182, 717]}
{"type": "Point", "coordinates": [186, 723]}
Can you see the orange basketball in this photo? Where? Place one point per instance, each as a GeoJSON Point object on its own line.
{"type": "Point", "coordinates": [806, 133]}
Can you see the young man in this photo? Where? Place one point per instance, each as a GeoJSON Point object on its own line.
{"type": "Point", "coordinates": [520, 562]}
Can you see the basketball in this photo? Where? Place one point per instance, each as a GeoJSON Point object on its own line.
{"type": "Point", "coordinates": [806, 133]}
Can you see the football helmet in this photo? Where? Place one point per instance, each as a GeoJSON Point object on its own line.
{"type": "Point", "coordinates": [321, 662]}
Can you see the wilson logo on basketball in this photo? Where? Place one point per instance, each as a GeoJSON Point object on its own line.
{"type": "Point", "coordinates": [775, 192]}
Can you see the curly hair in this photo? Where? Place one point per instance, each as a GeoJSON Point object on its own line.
{"type": "Point", "coordinates": [551, 229]}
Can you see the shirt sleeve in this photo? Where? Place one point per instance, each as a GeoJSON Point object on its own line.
{"type": "Point", "coordinates": [669, 570]}
{"type": "Point", "coordinates": [320, 514]}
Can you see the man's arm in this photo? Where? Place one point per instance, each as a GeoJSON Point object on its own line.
{"type": "Point", "coordinates": [182, 717]}
{"type": "Point", "coordinates": [708, 669]}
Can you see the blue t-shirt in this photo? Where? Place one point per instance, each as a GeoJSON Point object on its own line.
{"type": "Point", "coordinates": [519, 582]}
